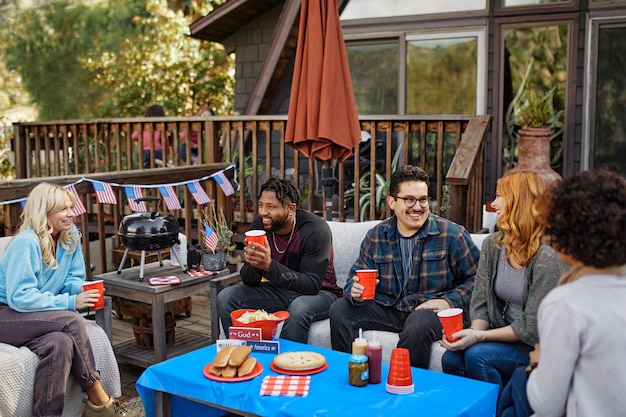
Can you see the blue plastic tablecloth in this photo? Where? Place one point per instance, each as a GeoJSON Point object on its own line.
{"type": "Point", "coordinates": [330, 393]}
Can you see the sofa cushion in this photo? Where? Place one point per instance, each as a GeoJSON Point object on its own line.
{"type": "Point", "coordinates": [347, 238]}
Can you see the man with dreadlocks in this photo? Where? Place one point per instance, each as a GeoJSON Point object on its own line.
{"type": "Point", "coordinates": [293, 271]}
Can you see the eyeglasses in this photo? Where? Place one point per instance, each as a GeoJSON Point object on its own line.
{"type": "Point", "coordinates": [410, 201]}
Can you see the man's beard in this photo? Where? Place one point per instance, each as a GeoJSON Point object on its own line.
{"type": "Point", "coordinates": [279, 224]}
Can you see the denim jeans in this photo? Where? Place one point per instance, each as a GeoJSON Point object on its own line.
{"type": "Point", "coordinates": [513, 401]}
{"type": "Point", "coordinates": [417, 329]}
{"type": "Point", "coordinates": [488, 361]}
{"type": "Point", "coordinates": [303, 309]}
{"type": "Point", "coordinates": [158, 154]}
{"type": "Point", "coordinates": [60, 341]}
{"type": "Point", "coordinates": [182, 153]}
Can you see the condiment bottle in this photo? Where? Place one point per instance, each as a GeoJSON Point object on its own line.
{"type": "Point", "coordinates": [374, 354]}
{"type": "Point", "coordinates": [359, 345]}
{"type": "Point", "coordinates": [358, 370]}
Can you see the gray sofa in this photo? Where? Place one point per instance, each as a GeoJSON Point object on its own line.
{"type": "Point", "coordinates": [18, 365]}
{"type": "Point", "coordinates": [347, 238]}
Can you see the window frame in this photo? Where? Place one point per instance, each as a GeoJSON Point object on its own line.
{"type": "Point", "coordinates": [595, 22]}
{"type": "Point", "coordinates": [356, 31]}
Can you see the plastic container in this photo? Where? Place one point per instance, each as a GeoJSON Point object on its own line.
{"type": "Point", "coordinates": [180, 249]}
{"type": "Point", "coordinates": [359, 346]}
{"type": "Point", "coordinates": [374, 354]}
{"type": "Point", "coordinates": [268, 327]}
{"type": "Point", "coordinates": [358, 370]}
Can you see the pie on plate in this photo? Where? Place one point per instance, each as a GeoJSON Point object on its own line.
{"type": "Point", "coordinates": [299, 361]}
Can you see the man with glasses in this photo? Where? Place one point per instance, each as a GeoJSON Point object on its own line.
{"type": "Point", "coordinates": [425, 264]}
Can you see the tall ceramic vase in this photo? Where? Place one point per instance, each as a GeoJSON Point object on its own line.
{"type": "Point", "coordinates": [534, 152]}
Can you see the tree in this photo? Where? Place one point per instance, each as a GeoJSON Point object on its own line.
{"type": "Point", "coordinates": [164, 65]}
{"type": "Point", "coordinates": [113, 58]}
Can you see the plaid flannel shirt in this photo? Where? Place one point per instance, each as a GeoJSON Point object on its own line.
{"type": "Point", "coordinates": [444, 264]}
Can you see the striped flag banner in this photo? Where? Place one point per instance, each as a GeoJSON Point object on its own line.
{"type": "Point", "coordinates": [210, 238]}
{"type": "Point", "coordinates": [80, 208]}
{"type": "Point", "coordinates": [170, 197]}
{"type": "Point", "coordinates": [198, 193]}
{"type": "Point", "coordinates": [224, 184]}
{"type": "Point", "coordinates": [133, 193]}
{"type": "Point", "coordinates": [104, 192]}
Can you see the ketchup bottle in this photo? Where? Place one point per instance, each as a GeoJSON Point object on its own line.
{"type": "Point", "coordinates": [374, 354]}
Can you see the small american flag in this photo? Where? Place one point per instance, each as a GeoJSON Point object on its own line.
{"type": "Point", "coordinates": [133, 193]}
{"type": "Point", "coordinates": [210, 238]}
{"type": "Point", "coordinates": [80, 208]}
{"type": "Point", "coordinates": [104, 192]}
{"type": "Point", "coordinates": [224, 184]}
{"type": "Point", "coordinates": [198, 193]}
{"type": "Point", "coordinates": [170, 197]}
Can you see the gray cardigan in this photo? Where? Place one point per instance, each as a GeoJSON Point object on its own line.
{"type": "Point", "coordinates": [542, 274]}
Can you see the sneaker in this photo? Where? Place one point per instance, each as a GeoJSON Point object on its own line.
{"type": "Point", "coordinates": [112, 408]}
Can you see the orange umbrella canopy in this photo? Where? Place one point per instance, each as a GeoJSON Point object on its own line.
{"type": "Point", "coordinates": [323, 122]}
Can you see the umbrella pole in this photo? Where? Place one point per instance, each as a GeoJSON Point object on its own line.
{"type": "Point", "coordinates": [328, 182]}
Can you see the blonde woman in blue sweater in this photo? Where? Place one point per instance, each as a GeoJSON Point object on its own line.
{"type": "Point", "coordinates": [41, 278]}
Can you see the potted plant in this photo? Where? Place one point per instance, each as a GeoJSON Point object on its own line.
{"type": "Point", "coordinates": [536, 116]}
{"type": "Point", "coordinates": [220, 234]}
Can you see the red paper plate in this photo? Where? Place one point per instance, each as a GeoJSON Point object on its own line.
{"type": "Point", "coordinates": [258, 369]}
{"type": "Point", "coordinates": [290, 372]}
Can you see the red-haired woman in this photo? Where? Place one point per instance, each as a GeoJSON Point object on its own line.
{"type": "Point", "coordinates": [516, 270]}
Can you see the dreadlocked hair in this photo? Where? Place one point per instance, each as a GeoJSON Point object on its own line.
{"type": "Point", "coordinates": [285, 191]}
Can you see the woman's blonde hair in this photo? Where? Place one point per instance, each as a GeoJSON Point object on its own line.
{"type": "Point", "coordinates": [522, 234]}
{"type": "Point", "coordinates": [43, 200]}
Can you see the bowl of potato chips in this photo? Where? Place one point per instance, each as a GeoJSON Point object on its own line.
{"type": "Point", "coordinates": [261, 319]}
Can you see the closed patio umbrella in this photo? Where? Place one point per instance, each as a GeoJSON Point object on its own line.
{"type": "Point", "coordinates": [323, 122]}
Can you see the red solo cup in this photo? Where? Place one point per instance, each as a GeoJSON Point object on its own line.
{"type": "Point", "coordinates": [452, 321]}
{"type": "Point", "coordinates": [367, 278]}
{"type": "Point", "coordinates": [96, 285]}
{"type": "Point", "coordinates": [256, 236]}
{"type": "Point", "coordinates": [400, 368]}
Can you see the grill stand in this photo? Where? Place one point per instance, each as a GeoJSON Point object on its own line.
{"type": "Point", "coordinates": [143, 261]}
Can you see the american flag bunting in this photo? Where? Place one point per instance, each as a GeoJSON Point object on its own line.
{"type": "Point", "coordinates": [133, 193]}
{"type": "Point", "coordinates": [198, 193]}
{"type": "Point", "coordinates": [104, 192]}
{"type": "Point", "coordinates": [170, 197]}
{"type": "Point", "coordinates": [80, 208]}
{"type": "Point", "coordinates": [224, 183]}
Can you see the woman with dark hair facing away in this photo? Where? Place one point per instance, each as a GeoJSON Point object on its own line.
{"type": "Point", "coordinates": [41, 278]}
{"type": "Point", "coordinates": [516, 270]}
{"type": "Point", "coordinates": [155, 110]}
{"type": "Point", "coordinates": [579, 369]}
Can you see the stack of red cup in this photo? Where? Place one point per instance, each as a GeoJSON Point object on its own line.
{"type": "Point", "coordinates": [400, 380]}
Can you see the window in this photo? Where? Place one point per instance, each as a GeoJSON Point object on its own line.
{"type": "Point", "coordinates": [374, 70]}
{"type": "Point", "coordinates": [420, 73]}
{"type": "Point", "coordinates": [442, 74]}
{"type": "Point", "coordinates": [606, 135]}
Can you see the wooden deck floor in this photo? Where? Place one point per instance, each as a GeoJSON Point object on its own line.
{"type": "Point", "coordinates": [198, 322]}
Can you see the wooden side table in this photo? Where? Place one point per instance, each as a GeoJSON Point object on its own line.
{"type": "Point", "coordinates": [126, 285]}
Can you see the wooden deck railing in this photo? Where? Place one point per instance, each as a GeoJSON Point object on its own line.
{"type": "Point", "coordinates": [449, 148]}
